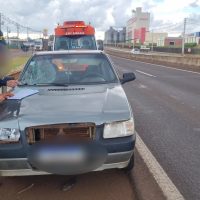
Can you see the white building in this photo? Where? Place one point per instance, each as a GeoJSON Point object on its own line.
{"type": "Point", "coordinates": [192, 39]}
{"type": "Point", "coordinates": [154, 38]}
{"type": "Point", "coordinates": [161, 42]}
{"type": "Point", "coordinates": [138, 25]}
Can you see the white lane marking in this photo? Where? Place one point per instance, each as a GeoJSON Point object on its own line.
{"type": "Point", "coordinates": [142, 86]}
{"type": "Point", "coordinates": [122, 69]}
{"type": "Point", "coordinates": [157, 65]}
{"type": "Point", "coordinates": [120, 50]}
{"type": "Point", "coordinates": [145, 73]}
{"type": "Point", "coordinates": [196, 129]}
{"type": "Point", "coordinates": [168, 188]}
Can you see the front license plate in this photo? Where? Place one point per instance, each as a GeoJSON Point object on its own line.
{"type": "Point", "coordinates": [70, 154]}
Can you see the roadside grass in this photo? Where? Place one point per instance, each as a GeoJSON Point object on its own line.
{"type": "Point", "coordinates": [16, 62]}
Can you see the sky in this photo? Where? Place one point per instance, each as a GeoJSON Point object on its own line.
{"type": "Point", "coordinates": [102, 14]}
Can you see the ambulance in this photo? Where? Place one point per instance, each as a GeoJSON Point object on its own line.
{"type": "Point", "coordinates": [74, 35]}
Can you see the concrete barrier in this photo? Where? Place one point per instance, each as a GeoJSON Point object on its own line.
{"type": "Point", "coordinates": [177, 61]}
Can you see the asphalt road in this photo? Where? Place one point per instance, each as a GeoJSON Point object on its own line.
{"type": "Point", "coordinates": [166, 104]}
{"type": "Point", "coordinates": [108, 185]}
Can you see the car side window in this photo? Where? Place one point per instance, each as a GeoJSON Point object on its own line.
{"type": "Point", "coordinates": [107, 71]}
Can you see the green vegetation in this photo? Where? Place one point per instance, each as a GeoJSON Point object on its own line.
{"type": "Point", "coordinates": [190, 45]}
{"type": "Point", "coordinates": [17, 62]}
{"type": "Point", "coordinates": [14, 64]}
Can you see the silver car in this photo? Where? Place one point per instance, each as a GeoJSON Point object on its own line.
{"type": "Point", "coordinates": [70, 115]}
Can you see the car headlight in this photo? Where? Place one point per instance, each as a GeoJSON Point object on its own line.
{"type": "Point", "coordinates": [9, 135]}
{"type": "Point", "coordinates": [119, 129]}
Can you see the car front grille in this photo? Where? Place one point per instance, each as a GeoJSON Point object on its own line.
{"type": "Point", "coordinates": [63, 132]}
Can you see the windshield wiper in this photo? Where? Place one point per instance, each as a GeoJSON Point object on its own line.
{"type": "Point", "coordinates": [44, 84]}
{"type": "Point", "coordinates": [25, 84]}
{"type": "Point", "coordinates": [60, 84]}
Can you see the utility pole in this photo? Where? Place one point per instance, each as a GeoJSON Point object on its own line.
{"type": "Point", "coordinates": [0, 21]}
{"type": "Point", "coordinates": [8, 41]}
{"type": "Point", "coordinates": [27, 32]}
{"type": "Point", "coordinates": [183, 37]}
{"type": "Point", "coordinates": [17, 35]}
{"type": "Point", "coordinates": [152, 41]}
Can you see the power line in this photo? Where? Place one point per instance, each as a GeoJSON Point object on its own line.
{"type": "Point", "coordinates": [192, 23]}
{"type": "Point", "coordinates": [194, 20]}
{"type": "Point", "coordinates": [168, 27]}
{"type": "Point", "coordinates": [9, 21]}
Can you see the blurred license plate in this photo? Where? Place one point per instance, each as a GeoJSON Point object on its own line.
{"type": "Point", "coordinates": [71, 154]}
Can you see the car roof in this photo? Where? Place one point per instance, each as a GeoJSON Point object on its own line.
{"type": "Point", "coordinates": [69, 52]}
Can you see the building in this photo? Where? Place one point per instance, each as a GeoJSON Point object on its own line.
{"type": "Point", "coordinates": [161, 42]}
{"type": "Point", "coordinates": [139, 35]}
{"type": "Point", "coordinates": [122, 35]}
{"type": "Point", "coordinates": [14, 42]}
{"type": "Point", "coordinates": [137, 26]}
{"type": "Point", "coordinates": [154, 38]}
{"type": "Point", "coordinates": [113, 36]}
{"type": "Point", "coordinates": [196, 34]}
{"type": "Point", "coordinates": [173, 41]}
{"type": "Point", "coordinates": [170, 42]}
{"type": "Point", "coordinates": [193, 38]}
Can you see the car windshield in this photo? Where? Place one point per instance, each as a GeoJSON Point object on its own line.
{"type": "Point", "coordinates": [68, 69]}
{"type": "Point", "coordinates": [75, 42]}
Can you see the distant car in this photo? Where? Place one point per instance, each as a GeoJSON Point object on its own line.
{"type": "Point", "coordinates": [100, 45]}
{"type": "Point", "coordinates": [50, 45]}
{"type": "Point", "coordinates": [25, 47]}
{"type": "Point", "coordinates": [29, 44]}
{"type": "Point", "coordinates": [144, 48]}
{"type": "Point", "coordinates": [135, 51]}
{"type": "Point", "coordinates": [78, 121]}
{"type": "Point", "coordinates": [38, 45]}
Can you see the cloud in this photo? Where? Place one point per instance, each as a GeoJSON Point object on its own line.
{"type": "Point", "coordinates": [101, 13]}
{"type": "Point", "coordinates": [194, 4]}
{"type": "Point", "coordinates": [46, 14]}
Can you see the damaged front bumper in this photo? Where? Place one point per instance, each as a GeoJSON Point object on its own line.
{"type": "Point", "coordinates": [21, 166]}
{"type": "Point", "coordinates": [14, 159]}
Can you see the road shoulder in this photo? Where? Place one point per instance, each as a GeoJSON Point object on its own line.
{"type": "Point", "coordinates": [143, 182]}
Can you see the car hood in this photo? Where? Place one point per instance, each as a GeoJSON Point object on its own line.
{"type": "Point", "coordinates": [56, 105]}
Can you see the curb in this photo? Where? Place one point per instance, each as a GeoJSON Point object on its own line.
{"type": "Point", "coordinates": [155, 183]}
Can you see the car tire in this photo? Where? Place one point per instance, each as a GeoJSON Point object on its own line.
{"type": "Point", "coordinates": [130, 165]}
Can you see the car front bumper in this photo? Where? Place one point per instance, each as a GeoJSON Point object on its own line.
{"type": "Point", "coordinates": [14, 160]}
{"type": "Point", "coordinates": [21, 166]}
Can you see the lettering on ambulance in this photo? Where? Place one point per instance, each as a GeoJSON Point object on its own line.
{"type": "Point", "coordinates": [75, 33]}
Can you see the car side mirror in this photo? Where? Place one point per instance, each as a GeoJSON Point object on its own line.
{"type": "Point", "coordinates": [100, 47]}
{"type": "Point", "coordinates": [127, 77]}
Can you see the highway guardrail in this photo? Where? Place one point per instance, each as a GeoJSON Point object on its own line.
{"type": "Point", "coordinates": [176, 61]}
